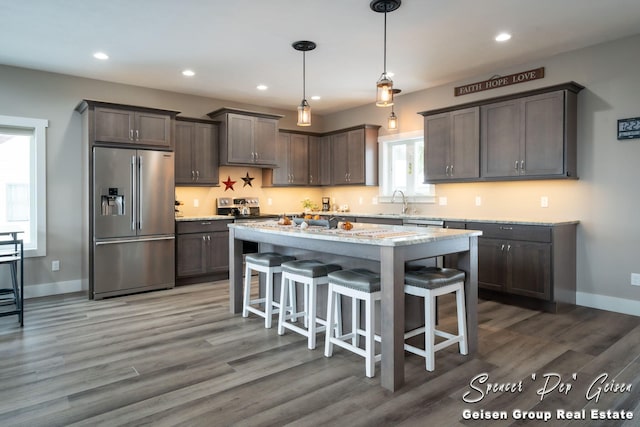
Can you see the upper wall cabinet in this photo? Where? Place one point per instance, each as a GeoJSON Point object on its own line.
{"type": "Point", "coordinates": [452, 145]}
{"type": "Point", "coordinates": [529, 135]}
{"type": "Point", "coordinates": [131, 125]}
{"type": "Point", "coordinates": [292, 156]}
{"type": "Point", "coordinates": [196, 152]}
{"type": "Point", "coordinates": [354, 156]}
{"type": "Point", "coordinates": [247, 138]}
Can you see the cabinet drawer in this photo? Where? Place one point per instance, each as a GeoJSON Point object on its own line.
{"type": "Point", "coordinates": [203, 226]}
{"type": "Point", "coordinates": [531, 233]}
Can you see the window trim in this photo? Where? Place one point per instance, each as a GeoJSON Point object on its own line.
{"type": "Point", "coordinates": [38, 177]}
{"type": "Point", "coordinates": [383, 142]}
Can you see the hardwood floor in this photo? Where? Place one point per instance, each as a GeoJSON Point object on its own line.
{"type": "Point", "coordinates": [178, 357]}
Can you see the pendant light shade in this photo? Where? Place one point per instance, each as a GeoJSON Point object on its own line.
{"type": "Point", "coordinates": [384, 91]}
{"type": "Point", "coordinates": [392, 120]}
{"type": "Point", "coordinates": [304, 109]}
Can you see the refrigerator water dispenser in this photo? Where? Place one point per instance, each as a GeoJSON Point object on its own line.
{"type": "Point", "coordinates": [112, 203]}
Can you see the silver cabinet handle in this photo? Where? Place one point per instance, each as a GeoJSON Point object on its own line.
{"type": "Point", "coordinates": [502, 247]}
{"type": "Point", "coordinates": [503, 227]}
{"type": "Point", "coordinates": [451, 170]}
{"type": "Point", "coordinates": [521, 166]}
{"type": "Point", "coordinates": [137, 135]}
{"type": "Point", "coordinates": [446, 170]}
{"type": "Point", "coordinates": [516, 166]}
{"type": "Point", "coordinates": [205, 223]}
{"type": "Point", "coordinates": [508, 248]}
{"type": "Point", "coordinates": [131, 134]}
{"type": "Point", "coordinates": [208, 238]}
{"type": "Point", "coordinates": [256, 153]}
{"type": "Point", "coordinates": [197, 175]}
{"type": "Point", "coordinates": [140, 194]}
{"type": "Point", "coordinates": [133, 192]}
{"type": "Point", "coordinates": [193, 175]}
{"type": "Point", "coordinates": [204, 237]}
{"type": "Point", "coordinates": [310, 179]}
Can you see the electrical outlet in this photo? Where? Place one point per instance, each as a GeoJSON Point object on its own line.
{"type": "Point", "coordinates": [635, 279]}
{"type": "Point", "coordinates": [544, 202]}
{"type": "Point", "coordinates": [478, 201]}
{"type": "Point", "coordinates": [269, 201]}
{"type": "Point", "coordinates": [55, 265]}
{"type": "Point", "coordinates": [360, 201]}
{"type": "Point", "coordinates": [374, 200]}
{"type": "Point", "coordinates": [442, 201]}
{"type": "Point", "coordinates": [196, 203]}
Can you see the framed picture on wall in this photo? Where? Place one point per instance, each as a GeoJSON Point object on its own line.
{"type": "Point", "coordinates": [629, 128]}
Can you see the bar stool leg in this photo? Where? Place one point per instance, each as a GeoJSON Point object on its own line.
{"type": "Point", "coordinates": [355, 321]}
{"type": "Point", "coordinates": [369, 338]}
{"type": "Point", "coordinates": [429, 331]}
{"type": "Point", "coordinates": [331, 309]}
{"type": "Point", "coordinates": [311, 314]}
{"type": "Point", "coordinates": [285, 289]}
{"type": "Point", "coordinates": [268, 305]}
{"type": "Point", "coordinates": [462, 321]}
{"type": "Point", "coordinates": [247, 291]}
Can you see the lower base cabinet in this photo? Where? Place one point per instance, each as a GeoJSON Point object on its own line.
{"type": "Point", "coordinates": [530, 265]}
{"type": "Point", "coordinates": [202, 250]}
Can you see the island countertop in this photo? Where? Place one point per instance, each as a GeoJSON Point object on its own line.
{"type": "Point", "coordinates": [367, 234]}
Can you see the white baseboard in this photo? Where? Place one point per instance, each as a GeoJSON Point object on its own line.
{"type": "Point", "coordinates": [46, 289]}
{"type": "Point", "coordinates": [603, 302]}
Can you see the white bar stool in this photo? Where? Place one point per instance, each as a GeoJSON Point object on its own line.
{"type": "Point", "coordinates": [429, 283]}
{"type": "Point", "coordinates": [360, 285]}
{"type": "Point", "coordinates": [270, 264]}
{"type": "Point", "coordinates": [311, 274]}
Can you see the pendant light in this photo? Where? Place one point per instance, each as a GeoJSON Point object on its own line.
{"type": "Point", "coordinates": [392, 120]}
{"type": "Point", "coordinates": [304, 109]}
{"type": "Point", "coordinates": [384, 91]}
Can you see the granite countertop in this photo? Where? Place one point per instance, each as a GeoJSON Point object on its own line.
{"type": "Point", "coordinates": [204, 218]}
{"type": "Point", "coordinates": [369, 234]}
{"type": "Point", "coordinates": [514, 221]}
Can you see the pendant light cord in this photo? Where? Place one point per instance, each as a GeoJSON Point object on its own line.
{"type": "Point", "coordinates": [304, 74]}
{"type": "Point", "coordinates": [385, 42]}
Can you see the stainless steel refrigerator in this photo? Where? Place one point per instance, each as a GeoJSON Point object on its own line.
{"type": "Point", "coordinates": [133, 221]}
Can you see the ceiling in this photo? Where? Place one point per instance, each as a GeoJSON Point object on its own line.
{"type": "Point", "coordinates": [234, 45]}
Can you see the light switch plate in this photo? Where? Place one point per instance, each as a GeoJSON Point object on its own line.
{"type": "Point", "coordinates": [478, 201]}
{"type": "Point", "coordinates": [635, 279]}
{"type": "Point", "coordinates": [442, 201]}
{"type": "Point", "coordinates": [196, 203]}
{"type": "Point", "coordinates": [55, 265]}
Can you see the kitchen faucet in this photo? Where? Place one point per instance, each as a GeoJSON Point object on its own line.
{"type": "Point", "coordinates": [404, 200]}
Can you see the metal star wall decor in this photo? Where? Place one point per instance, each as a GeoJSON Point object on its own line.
{"type": "Point", "coordinates": [247, 180]}
{"type": "Point", "coordinates": [228, 184]}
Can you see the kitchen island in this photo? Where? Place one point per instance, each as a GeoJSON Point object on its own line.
{"type": "Point", "coordinates": [381, 248]}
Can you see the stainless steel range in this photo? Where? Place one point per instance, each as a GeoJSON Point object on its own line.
{"type": "Point", "coordinates": [243, 209]}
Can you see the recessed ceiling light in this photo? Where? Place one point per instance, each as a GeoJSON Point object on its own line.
{"type": "Point", "coordinates": [315, 97]}
{"type": "Point", "coordinates": [101, 55]}
{"type": "Point", "coordinates": [503, 37]}
{"type": "Point", "coordinates": [262, 87]}
{"type": "Point", "coordinates": [188, 73]}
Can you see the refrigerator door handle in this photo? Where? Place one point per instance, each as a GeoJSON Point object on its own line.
{"type": "Point", "coordinates": [133, 193]}
{"type": "Point", "coordinates": [140, 187]}
{"type": "Point", "coordinates": [148, 239]}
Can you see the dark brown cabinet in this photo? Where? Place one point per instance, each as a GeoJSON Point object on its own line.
{"type": "Point", "coordinates": [533, 261]}
{"type": "Point", "coordinates": [452, 145]}
{"type": "Point", "coordinates": [247, 138]}
{"type": "Point", "coordinates": [196, 152]}
{"type": "Point", "coordinates": [528, 135]}
{"type": "Point", "coordinates": [292, 157]}
{"type": "Point", "coordinates": [134, 126]}
{"type": "Point", "coordinates": [319, 161]}
{"type": "Point", "coordinates": [354, 156]}
{"type": "Point", "coordinates": [129, 126]}
{"type": "Point", "coordinates": [525, 138]}
{"type": "Point", "coordinates": [202, 249]}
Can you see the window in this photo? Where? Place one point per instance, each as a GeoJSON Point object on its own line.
{"type": "Point", "coordinates": [402, 167]}
{"type": "Point", "coordinates": [23, 181]}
